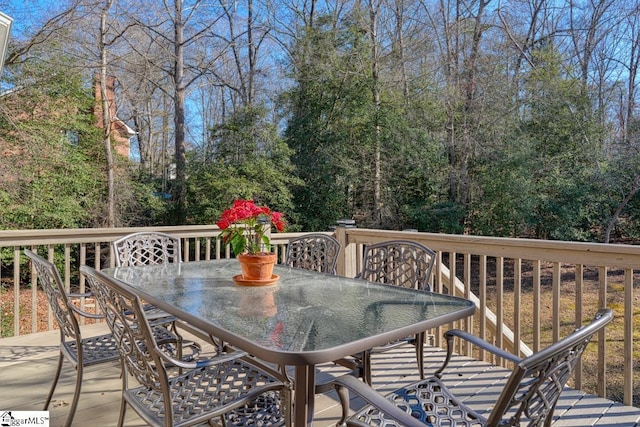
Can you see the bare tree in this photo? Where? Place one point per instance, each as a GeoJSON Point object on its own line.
{"type": "Point", "coordinates": [109, 34]}
{"type": "Point", "coordinates": [587, 31]}
{"type": "Point", "coordinates": [51, 29]}
{"type": "Point", "coordinates": [628, 151]}
{"type": "Point", "coordinates": [140, 87]}
{"type": "Point", "coordinates": [461, 45]}
{"type": "Point", "coordinates": [174, 30]}
{"type": "Point", "coordinates": [633, 27]}
{"type": "Point", "coordinates": [106, 114]}
{"type": "Point", "coordinates": [374, 11]}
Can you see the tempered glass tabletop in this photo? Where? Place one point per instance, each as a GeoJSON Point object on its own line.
{"type": "Point", "coordinates": [304, 312]}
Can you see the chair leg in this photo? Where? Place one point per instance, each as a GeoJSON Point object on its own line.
{"type": "Point", "coordinates": [76, 395]}
{"type": "Point", "coordinates": [449, 338]}
{"type": "Point", "coordinates": [123, 401]}
{"type": "Point", "coordinates": [123, 411]}
{"type": "Point", "coordinates": [179, 348]}
{"type": "Point", "coordinates": [55, 380]}
{"type": "Point", "coordinates": [419, 343]}
{"type": "Point", "coordinates": [343, 395]}
{"type": "Point", "coordinates": [366, 367]}
{"type": "Point", "coordinates": [287, 403]}
{"type": "Point", "coordinates": [550, 418]}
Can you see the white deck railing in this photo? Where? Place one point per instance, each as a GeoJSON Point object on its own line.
{"type": "Point", "coordinates": [529, 293]}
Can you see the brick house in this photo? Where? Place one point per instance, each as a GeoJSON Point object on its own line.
{"type": "Point", "coordinates": [121, 134]}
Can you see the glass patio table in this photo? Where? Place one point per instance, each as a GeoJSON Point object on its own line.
{"type": "Point", "coordinates": [304, 319]}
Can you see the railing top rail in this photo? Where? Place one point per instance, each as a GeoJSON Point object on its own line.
{"type": "Point", "coordinates": [283, 238]}
{"type": "Point", "coordinates": [613, 255]}
{"type": "Point", "coordinates": [25, 238]}
{"type": "Point", "coordinates": [89, 235]}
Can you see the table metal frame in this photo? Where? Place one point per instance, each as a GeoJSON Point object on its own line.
{"type": "Point", "coordinates": [297, 293]}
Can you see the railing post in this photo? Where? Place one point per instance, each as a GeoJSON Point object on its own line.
{"type": "Point", "coordinates": [347, 260]}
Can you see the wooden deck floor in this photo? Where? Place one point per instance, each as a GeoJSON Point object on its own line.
{"type": "Point", "coordinates": [27, 366]}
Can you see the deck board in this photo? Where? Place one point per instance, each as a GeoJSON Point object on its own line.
{"type": "Point", "coordinates": [28, 363]}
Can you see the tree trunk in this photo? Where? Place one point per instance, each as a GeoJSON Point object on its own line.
{"type": "Point", "coordinates": [106, 118]}
{"type": "Point", "coordinates": [180, 189]}
{"type": "Point", "coordinates": [375, 77]}
{"type": "Point", "coordinates": [399, 39]}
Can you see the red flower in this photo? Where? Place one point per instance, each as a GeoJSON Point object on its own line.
{"type": "Point", "coordinates": [278, 221]}
{"type": "Point", "coordinates": [243, 224]}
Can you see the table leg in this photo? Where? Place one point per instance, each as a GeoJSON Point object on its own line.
{"type": "Point", "coordinates": [304, 395]}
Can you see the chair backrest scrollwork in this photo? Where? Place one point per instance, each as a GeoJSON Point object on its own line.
{"type": "Point", "coordinates": [51, 283]}
{"type": "Point", "coordinates": [147, 248]}
{"type": "Point", "coordinates": [125, 317]}
{"type": "Point", "coordinates": [398, 262]}
{"type": "Point", "coordinates": [314, 251]}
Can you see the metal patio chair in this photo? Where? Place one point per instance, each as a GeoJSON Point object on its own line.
{"type": "Point", "coordinates": [400, 263]}
{"type": "Point", "coordinates": [78, 350]}
{"type": "Point", "coordinates": [147, 248]}
{"type": "Point", "coordinates": [315, 251]}
{"type": "Point", "coordinates": [228, 385]}
{"type": "Point", "coordinates": [528, 398]}
{"type": "Point", "coordinates": [152, 248]}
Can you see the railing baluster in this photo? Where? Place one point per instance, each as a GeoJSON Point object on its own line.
{"type": "Point", "coordinates": [83, 261]}
{"type": "Point", "coordinates": [452, 290]}
{"type": "Point", "coordinates": [628, 336]}
{"type": "Point", "coordinates": [2, 308]}
{"type": "Point", "coordinates": [50, 257]}
{"type": "Point", "coordinates": [467, 294]}
{"type": "Point", "coordinates": [579, 275]}
{"type": "Point", "coordinates": [602, 337]}
{"type": "Point", "coordinates": [500, 304]}
{"type": "Point", "coordinates": [186, 252]}
{"type": "Point", "coordinates": [67, 267]}
{"type": "Point", "coordinates": [555, 301]}
{"type": "Point", "coordinates": [536, 305]}
{"type": "Point", "coordinates": [517, 300]}
{"type": "Point", "coordinates": [437, 287]}
{"type": "Point", "coordinates": [483, 301]}
{"type": "Point", "coordinates": [16, 291]}
{"type": "Point", "coordinates": [34, 305]}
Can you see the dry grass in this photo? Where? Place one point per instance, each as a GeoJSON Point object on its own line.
{"type": "Point", "coordinates": [26, 320]}
{"type": "Point", "coordinates": [589, 303]}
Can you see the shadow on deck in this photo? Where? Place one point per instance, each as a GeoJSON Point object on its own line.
{"type": "Point", "coordinates": [27, 367]}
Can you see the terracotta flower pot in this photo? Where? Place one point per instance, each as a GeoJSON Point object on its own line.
{"type": "Point", "coordinates": [257, 267]}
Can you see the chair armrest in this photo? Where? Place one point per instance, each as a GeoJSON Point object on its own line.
{"type": "Point", "coordinates": [200, 363]}
{"type": "Point", "coordinates": [372, 397]}
{"type": "Point", "coordinates": [474, 340]}
{"type": "Point", "coordinates": [80, 295]}
{"type": "Point", "coordinates": [154, 314]}
{"type": "Point", "coordinates": [483, 344]}
{"type": "Point", "coordinates": [81, 312]}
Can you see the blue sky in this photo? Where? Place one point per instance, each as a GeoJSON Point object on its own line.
{"type": "Point", "coordinates": [28, 14]}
